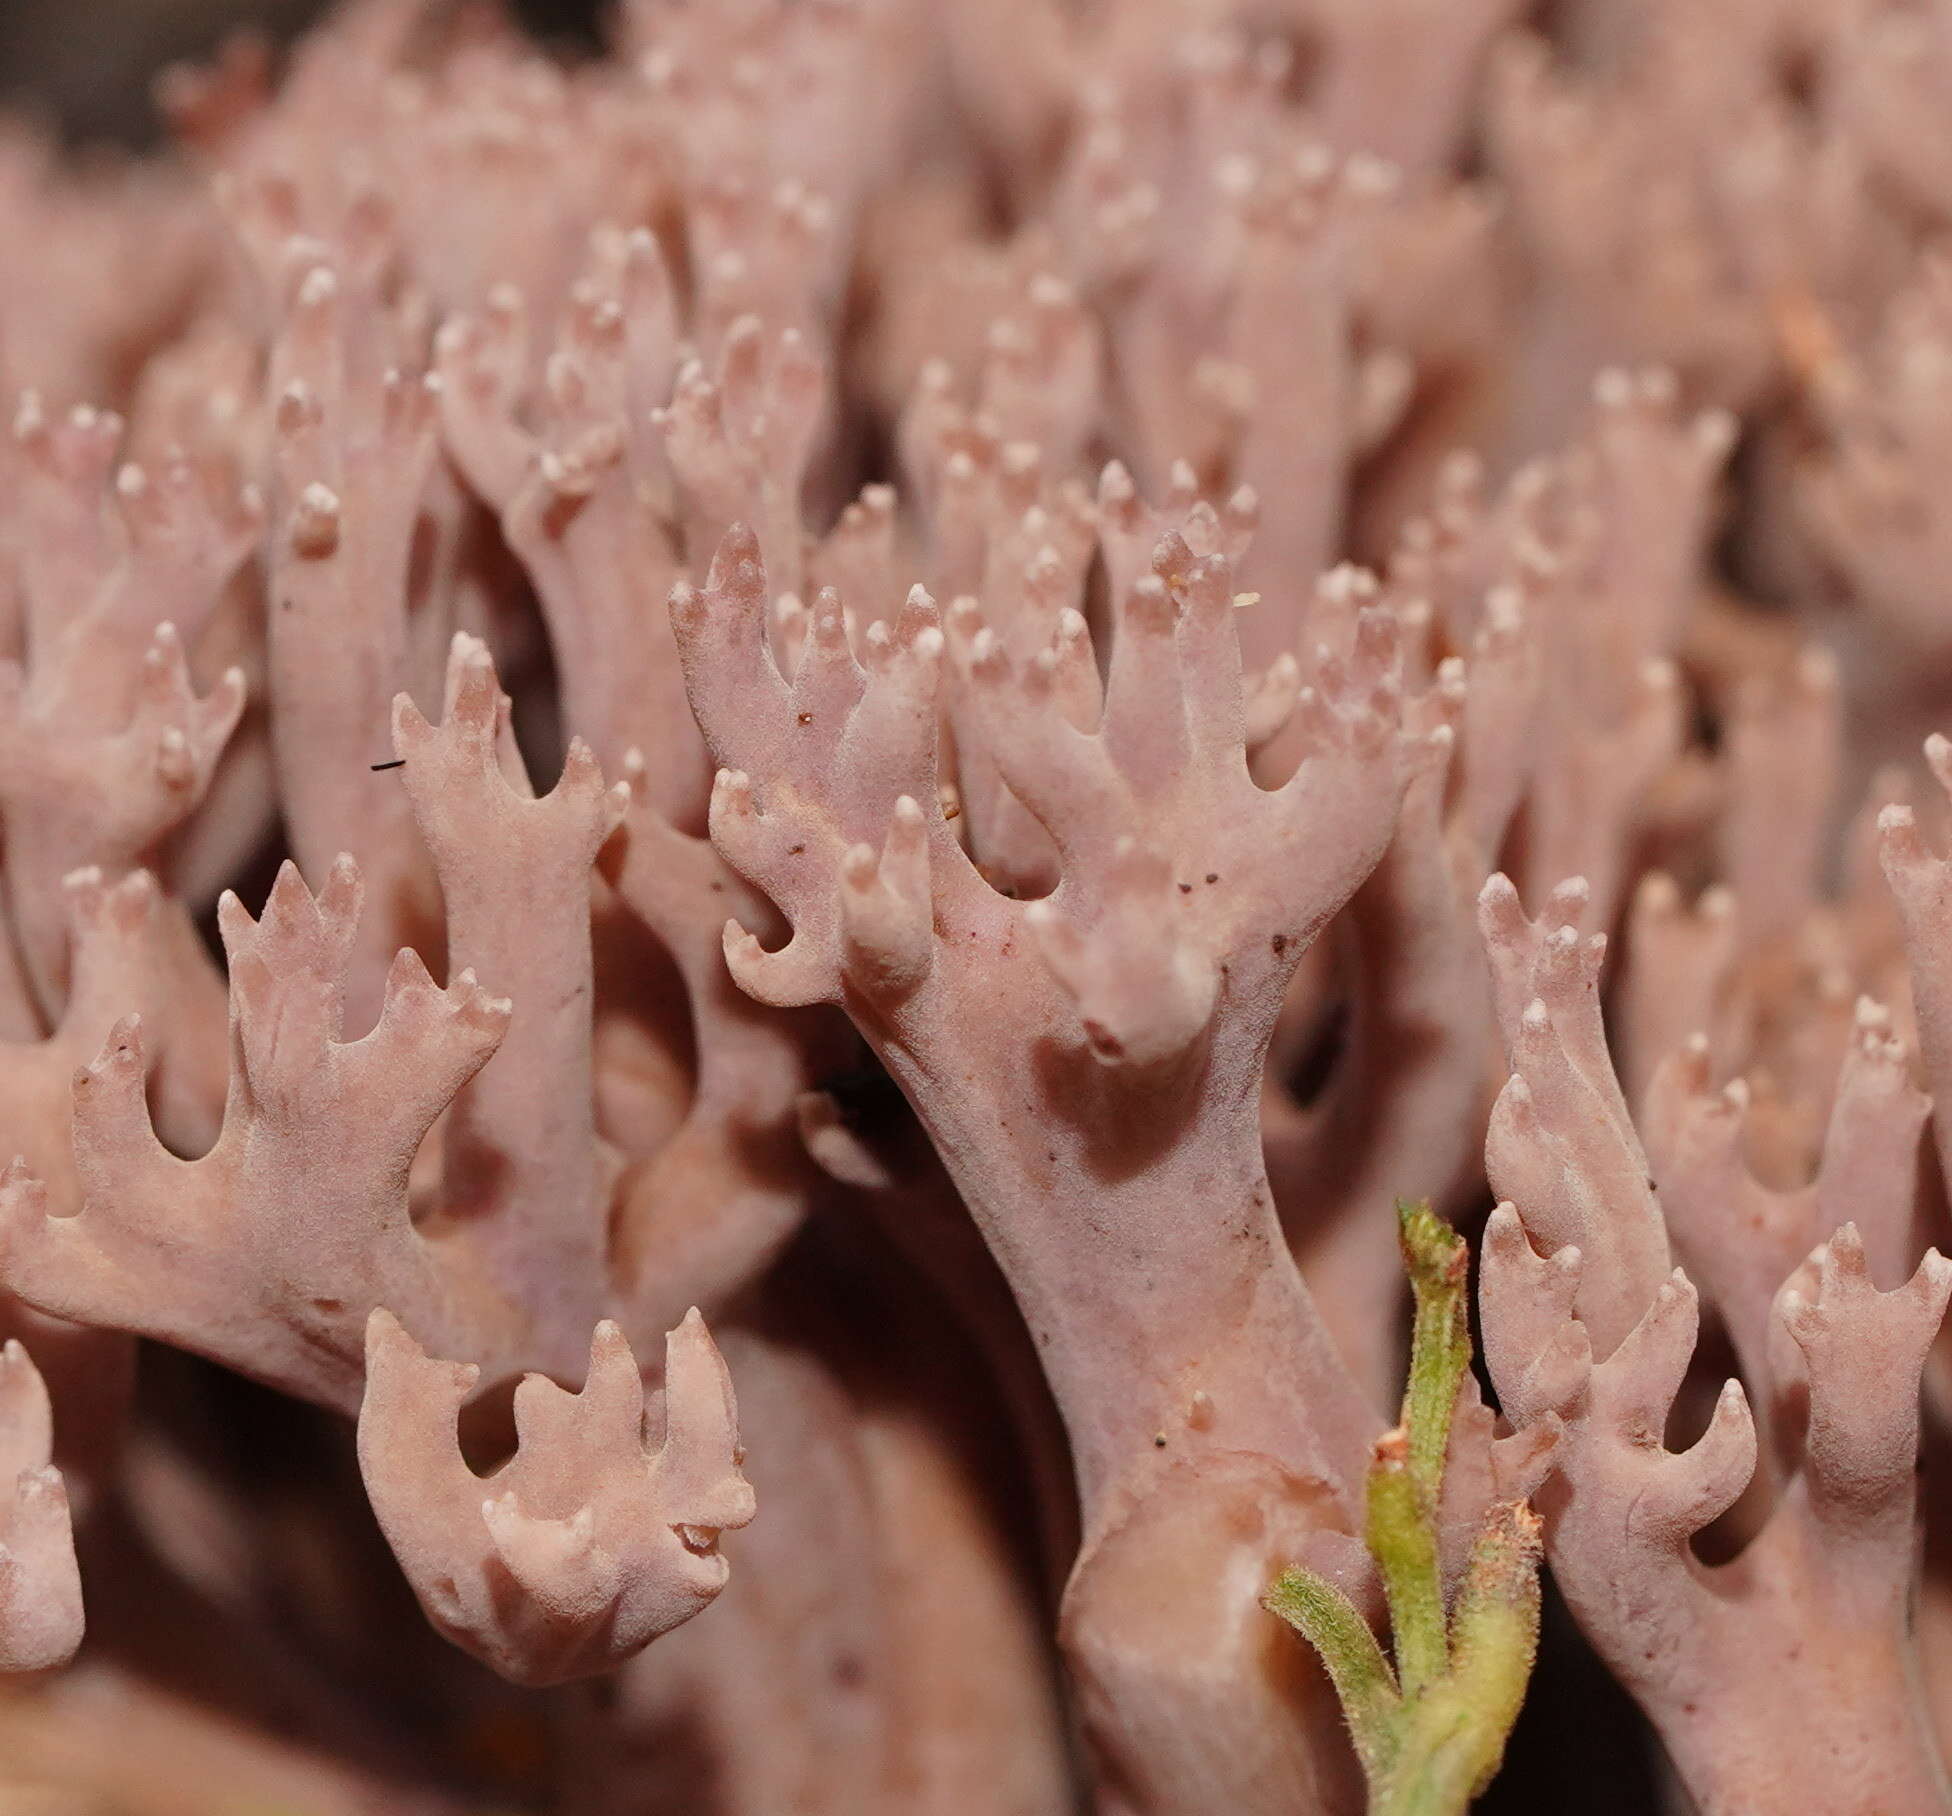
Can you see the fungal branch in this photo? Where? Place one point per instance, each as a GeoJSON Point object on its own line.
{"type": "Point", "coordinates": [1121, 1088]}
{"type": "Point", "coordinates": [40, 1586]}
{"type": "Point", "coordinates": [1089, 1063]}
{"type": "Point", "coordinates": [123, 954]}
{"type": "Point", "coordinates": [637, 462]}
{"type": "Point", "coordinates": [1430, 1724]}
{"type": "Point", "coordinates": [1406, 1098]}
{"type": "Point", "coordinates": [1595, 1337]}
{"type": "Point", "coordinates": [1921, 883]}
{"type": "Point", "coordinates": [354, 453]}
{"type": "Point", "coordinates": [698, 1219]}
{"type": "Point", "coordinates": [291, 1249]}
{"type": "Point", "coordinates": [268, 1251]}
{"type": "Point", "coordinates": [106, 743]}
{"type": "Point", "coordinates": [588, 1543]}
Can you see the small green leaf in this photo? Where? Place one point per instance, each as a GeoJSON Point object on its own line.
{"type": "Point", "coordinates": [1334, 1626]}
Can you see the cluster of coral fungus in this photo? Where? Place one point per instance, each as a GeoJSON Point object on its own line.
{"type": "Point", "coordinates": [757, 796]}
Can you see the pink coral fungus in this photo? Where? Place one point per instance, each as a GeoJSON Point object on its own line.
{"type": "Point", "coordinates": [778, 806]}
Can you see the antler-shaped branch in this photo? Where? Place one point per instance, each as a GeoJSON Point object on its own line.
{"type": "Point", "coordinates": [999, 526]}
{"type": "Point", "coordinates": [1589, 786]}
{"type": "Point", "coordinates": [1001, 532]}
{"type": "Point", "coordinates": [1560, 146]}
{"type": "Point", "coordinates": [1404, 1107]}
{"type": "Point", "coordinates": [1680, 957]}
{"type": "Point", "coordinates": [1561, 1142]}
{"type": "Point", "coordinates": [353, 448]}
{"type": "Point", "coordinates": [1647, 467]}
{"type": "Point", "coordinates": [101, 788]}
{"type": "Point", "coordinates": [520, 1156]}
{"type": "Point", "coordinates": [739, 442]}
{"type": "Point", "coordinates": [1594, 554]}
{"type": "Point", "coordinates": [271, 1249]}
{"type": "Point", "coordinates": [588, 1543]}
{"type": "Point", "coordinates": [1290, 343]}
{"type": "Point", "coordinates": [1766, 967]}
{"type": "Point", "coordinates": [1783, 738]}
{"type": "Point", "coordinates": [131, 947]}
{"type": "Point", "coordinates": [1129, 527]}
{"type": "Point", "coordinates": [268, 1251]}
{"type": "Point", "coordinates": [1710, 1653]}
{"type": "Point", "coordinates": [107, 552]}
{"type": "Point", "coordinates": [1177, 870]}
{"type": "Point", "coordinates": [1088, 1065]}
{"type": "Point", "coordinates": [726, 1190]}
{"type": "Point", "coordinates": [1158, 802]}
{"type": "Point", "coordinates": [586, 501]}
{"type": "Point", "coordinates": [1863, 1352]}
{"type": "Point", "coordinates": [40, 1585]}
{"type": "Point", "coordinates": [1042, 380]}
{"type": "Point", "coordinates": [840, 747]}
{"type": "Point", "coordinates": [1631, 1507]}
{"type": "Point", "coordinates": [1921, 882]}
{"type": "Point", "coordinates": [1399, 78]}
{"type": "Point", "coordinates": [1742, 1239]}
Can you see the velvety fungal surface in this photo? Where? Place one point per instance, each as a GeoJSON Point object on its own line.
{"type": "Point", "coordinates": [766, 777]}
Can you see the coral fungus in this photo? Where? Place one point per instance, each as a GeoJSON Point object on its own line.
{"type": "Point", "coordinates": [761, 787]}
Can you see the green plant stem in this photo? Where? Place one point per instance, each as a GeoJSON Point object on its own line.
{"type": "Point", "coordinates": [1402, 1538]}
{"type": "Point", "coordinates": [1431, 1732]}
{"type": "Point", "coordinates": [1438, 1263]}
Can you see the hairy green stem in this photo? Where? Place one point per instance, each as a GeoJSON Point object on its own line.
{"type": "Point", "coordinates": [1431, 1732]}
